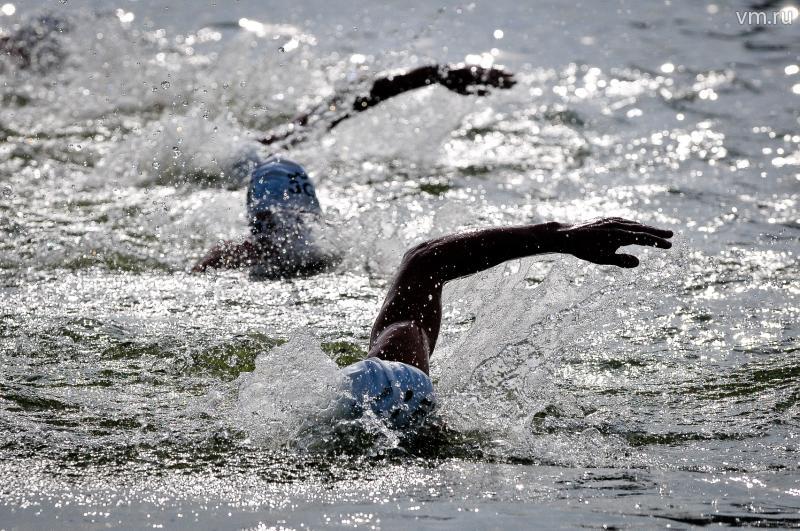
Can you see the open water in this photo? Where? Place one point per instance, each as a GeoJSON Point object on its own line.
{"type": "Point", "coordinates": [133, 394]}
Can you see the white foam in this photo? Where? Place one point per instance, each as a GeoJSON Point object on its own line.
{"type": "Point", "coordinates": [288, 393]}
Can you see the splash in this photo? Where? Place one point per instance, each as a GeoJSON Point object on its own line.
{"type": "Point", "coordinates": [289, 392]}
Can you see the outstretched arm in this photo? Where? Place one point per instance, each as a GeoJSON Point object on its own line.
{"type": "Point", "coordinates": [407, 326]}
{"type": "Point", "coordinates": [462, 79]}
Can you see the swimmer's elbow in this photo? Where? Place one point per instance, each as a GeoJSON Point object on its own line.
{"type": "Point", "coordinates": [418, 254]}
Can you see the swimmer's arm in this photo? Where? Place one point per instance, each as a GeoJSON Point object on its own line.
{"type": "Point", "coordinates": [596, 241]}
{"type": "Point", "coordinates": [460, 78]}
{"type": "Point", "coordinates": [415, 294]}
{"type": "Point", "coordinates": [227, 255]}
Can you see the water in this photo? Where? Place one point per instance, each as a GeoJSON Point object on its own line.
{"type": "Point", "coordinates": [134, 394]}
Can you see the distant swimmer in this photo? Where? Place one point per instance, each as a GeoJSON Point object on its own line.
{"type": "Point", "coordinates": [282, 207]}
{"type": "Point", "coordinates": [393, 380]}
{"type": "Point", "coordinates": [34, 45]}
{"type": "Point", "coordinates": [282, 204]}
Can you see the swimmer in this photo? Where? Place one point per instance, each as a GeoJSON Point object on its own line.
{"type": "Point", "coordinates": [35, 45]}
{"type": "Point", "coordinates": [393, 380]}
{"type": "Point", "coordinates": [282, 206]}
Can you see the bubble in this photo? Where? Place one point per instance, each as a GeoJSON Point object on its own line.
{"type": "Point", "coordinates": [156, 165]}
{"type": "Point", "coordinates": [7, 191]}
{"type": "Point", "coordinates": [165, 84]}
{"type": "Point", "coordinates": [282, 49]}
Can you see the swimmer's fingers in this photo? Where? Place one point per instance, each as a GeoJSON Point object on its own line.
{"type": "Point", "coordinates": [635, 226]}
{"type": "Point", "coordinates": [620, 260]}
{"type": "Point", "coordinates": [500, 78]}
{"type": "Point", "coordinates": [627, 237]}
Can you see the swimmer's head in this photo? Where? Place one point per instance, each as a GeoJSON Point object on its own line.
{"type": "Point", "coordinates": [280, 190]}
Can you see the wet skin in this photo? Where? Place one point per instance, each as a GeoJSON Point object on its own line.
{"type": "Point", "coordinates": [408, 323]}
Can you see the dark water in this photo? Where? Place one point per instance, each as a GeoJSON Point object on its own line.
{"type": "Point", "coordinates": [136, 395]}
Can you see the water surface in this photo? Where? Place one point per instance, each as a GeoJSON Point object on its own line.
{"type": "Point", "coordinates": [134, 394]}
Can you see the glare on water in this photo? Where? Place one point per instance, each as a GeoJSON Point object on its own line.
{"type": "Point", "coordinates": [572, 393]}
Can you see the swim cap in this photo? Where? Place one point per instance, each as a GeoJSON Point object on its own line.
{"type": "Point", "coordinates": [398, 393]}
{"type": "Point", "coordinates": [280, 184]}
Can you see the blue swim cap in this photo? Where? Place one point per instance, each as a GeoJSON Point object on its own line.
{"type": "Point", "coordinates": [280, 184]}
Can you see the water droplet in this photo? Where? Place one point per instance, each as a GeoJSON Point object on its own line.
{"type": "Point", "coordinates": [176, 152]}
{"type": "Point", "coordinates": [243, 83]}
{"type": "Point", "coordinates": [7, 191]}
{"type": "Point", "coordinates": [156, 165]}
{"type": "Point", "coordinates": [165, 84]}
{"type": "Point", "coordinates": [281, 49]}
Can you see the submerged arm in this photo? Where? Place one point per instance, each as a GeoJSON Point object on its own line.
{"type": "Point", "coordinates": [413, 304]}
{"type": "Point", "coordinates": [227, 255]}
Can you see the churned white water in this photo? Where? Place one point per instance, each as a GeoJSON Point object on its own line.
{"type": "Point", "coordinates": [134, 394]}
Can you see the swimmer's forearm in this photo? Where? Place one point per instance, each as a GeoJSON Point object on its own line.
{"type": "Point", "coordinates": [334, 111]}
{"type": "Point", "coordinates": [459, 255]}
{"type": "Point", "coordinates": [387, 87]}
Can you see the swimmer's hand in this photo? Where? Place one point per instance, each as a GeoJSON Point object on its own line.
{"type": "Point", "coordinates": [473, 79]}
{"type": "Point", "coordinates": [598, 241]}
